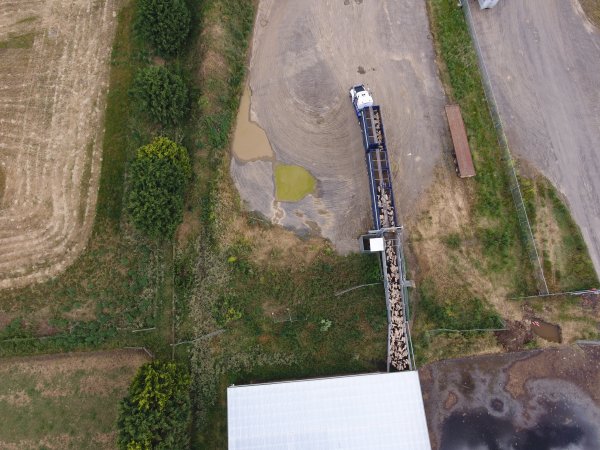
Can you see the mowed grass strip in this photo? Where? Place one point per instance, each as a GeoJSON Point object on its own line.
{"type": "Point", "coordinates": [20, 41]}
{"type": "Point", "coordinates": [293, 183]}
{"type": "Point", "coordinates": [67, 401]}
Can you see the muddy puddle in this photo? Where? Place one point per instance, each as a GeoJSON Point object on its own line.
{"type": "Point", "coordinates": [293, 183]}
{"type": "Point", "coordinates": [250, 142]}
{"type": "Point", "coordinates": [547, 331]}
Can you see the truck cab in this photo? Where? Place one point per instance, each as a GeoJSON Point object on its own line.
{"type": "Point", "coordinates": [361, 98]}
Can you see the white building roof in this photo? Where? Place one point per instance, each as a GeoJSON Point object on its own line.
{"type": "Point", "coordinates": [376, 411]}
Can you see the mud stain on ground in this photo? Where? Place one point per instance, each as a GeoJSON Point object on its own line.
{"type": "Point", "coordinates": [293, 183]}
{"type": "Point", "coordinates": [250, 142]}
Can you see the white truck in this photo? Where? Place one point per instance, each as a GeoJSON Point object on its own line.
{"type": "Point", "coordinates": [361, 98]}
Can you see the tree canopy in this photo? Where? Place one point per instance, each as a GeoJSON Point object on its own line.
{"type": "Point", "coordinates": [165, 24]}
{"type": "Point", "coordinates": [162, 94]}
{"type": "Point", "coordinates": [158, 178]}
{"type": "Point", "coordinates": [156, 412]}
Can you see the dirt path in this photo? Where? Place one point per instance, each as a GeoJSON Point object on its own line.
{"type": "Point", "coordinates": [306, 55]}
{"type": "Point", "coordinates": [540, 399]}
{"type": "Point", "coordinates": [543, 57]}
{"type": "Point", "coordinates": [54, 69]}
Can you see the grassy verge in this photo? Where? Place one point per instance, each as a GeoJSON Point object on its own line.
{"type": "Point", "coordinates": [566, 261]}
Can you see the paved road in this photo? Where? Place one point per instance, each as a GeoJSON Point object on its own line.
{"type": "Point", "coordinates": [543, 57]}
{"type": "Point", "coordinates": [306, 54]}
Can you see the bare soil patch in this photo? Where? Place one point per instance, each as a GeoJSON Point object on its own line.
{"type": "Point", "coordinates": [53, 90]}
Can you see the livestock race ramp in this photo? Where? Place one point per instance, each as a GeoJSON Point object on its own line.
{"type": "Point", "coordinates": [54, 70]}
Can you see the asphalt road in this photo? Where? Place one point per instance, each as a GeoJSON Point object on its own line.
{"type": "Point", "coordinates": [305, 56]}
{"type": "Point", "coordinates": [543, 58]}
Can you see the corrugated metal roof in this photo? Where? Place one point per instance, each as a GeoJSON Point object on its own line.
{"type": "Point", "coordinates": [377, 411]}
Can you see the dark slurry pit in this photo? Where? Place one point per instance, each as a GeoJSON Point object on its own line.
{"type": "Point", "coordinates": [560, 427]}
{"type": "Point", "coordinates": [536, 400]}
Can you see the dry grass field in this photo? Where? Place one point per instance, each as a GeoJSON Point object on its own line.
{"type": "Point", "coordinates": [54, 69]}
{"type": "Point", "coordinates": [64, 401]}
{"type": "Point", "coordinates": [592, 10]}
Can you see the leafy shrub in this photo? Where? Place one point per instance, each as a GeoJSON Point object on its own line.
{"type": "Point", "coordinates": [158, 178]}
{"type": "Point", "coordinates": [161, 94]}
{"type": "Point", "coordinates": [156, 412]}
{"type": "Point", "coordinates": [165, 24]}
{"type": "Point", "coordinates": [452, 241]}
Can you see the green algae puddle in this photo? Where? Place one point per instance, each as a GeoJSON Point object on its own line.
{"type": "Point", "coordinates": [293, 183]}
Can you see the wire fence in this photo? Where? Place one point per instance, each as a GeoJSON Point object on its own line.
{"type": "Point", "coordinates": [509, 163]}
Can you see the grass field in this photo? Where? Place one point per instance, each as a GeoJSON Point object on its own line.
{"type": "Point", "coordinates": [567, 264]}
{"type": "Point", "coordinates": [592, 10]}
{"type": "Point", "coordinates": [118, 283]}
{"type": "Point", "coordinates": [65, 401]}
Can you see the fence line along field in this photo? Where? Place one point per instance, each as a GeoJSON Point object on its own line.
{"type": "Point", "coordinates": [67, 401]}
{"type": "Point", "coordinates": [54, 67]}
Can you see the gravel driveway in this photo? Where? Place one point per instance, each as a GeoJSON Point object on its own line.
{"type": "Point", "coordinates": [305, 56]}
{"type": "Point", "coordinates": [543, 58]}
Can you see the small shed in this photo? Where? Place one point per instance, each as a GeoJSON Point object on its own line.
{"type": "Point", "coordinates": [374, 411]}
{"type": "Point", "coordinates": [462, 151]}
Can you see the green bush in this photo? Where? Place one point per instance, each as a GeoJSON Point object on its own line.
{"type": "Point", "coordinates": [161, 94]}
{"type": "Point", "coordinates": [156, 412]}
{"type": "Point", "coordinates": [159, 175]}
{"type": "Point", "coordinates": [165, 24]}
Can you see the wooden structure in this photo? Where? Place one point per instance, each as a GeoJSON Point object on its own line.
{"type": "Point", "coordinates": [462, 152]}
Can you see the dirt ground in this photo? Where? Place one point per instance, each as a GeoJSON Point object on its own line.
{"type": "Point", "coordinates": [64, 401]}
{"type": "Point", "coordinates": [305, 57]}
{"type": "Point", "coordinates": [54, 71]}
{"type": "Point", "coordinates": [543, 57]}
{"type": "Point", "coordinates": [540, 399]}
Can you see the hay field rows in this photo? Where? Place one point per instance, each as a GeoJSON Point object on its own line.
{"type": "Point", "coordinates": [54, 67]}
